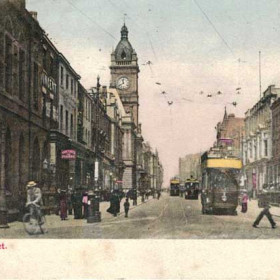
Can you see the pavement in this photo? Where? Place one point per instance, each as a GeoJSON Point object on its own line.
{"type": "Point", "coordinates": [167, 218]}
{"type": "Point", "coordinates": [16, 229]}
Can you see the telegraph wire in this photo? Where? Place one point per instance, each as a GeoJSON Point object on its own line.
{"type": "Point", "coordinates": [89, 18]}
{"type": "Point", "coordinates": [214, 27]}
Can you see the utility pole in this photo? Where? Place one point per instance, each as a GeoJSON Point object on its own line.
{"type": "Point", "coordinates": [260, 74]}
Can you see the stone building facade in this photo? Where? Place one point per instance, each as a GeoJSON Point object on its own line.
{"type": "Point", "coordinates": [124, 77]}
{"type": "Point", "coordinates": [28, 98]}
{"type": "Point", "coordinates": [52, 130]}
{"type": "Point", "coordinates": [257, 143]}
{"type": "Point", "coordinates": [274, 163]}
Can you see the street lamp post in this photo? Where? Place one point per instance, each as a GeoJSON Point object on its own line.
{"type": "Point", "coordinates": [94, 197]}
{"type": "Point", "coordinates": [94, 200]}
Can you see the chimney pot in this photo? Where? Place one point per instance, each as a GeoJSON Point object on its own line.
{"type": "Point", "coordinates": [34, 14]}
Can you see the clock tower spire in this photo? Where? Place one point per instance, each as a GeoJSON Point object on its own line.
{"type": "Point", "coordinates": [124, 74]}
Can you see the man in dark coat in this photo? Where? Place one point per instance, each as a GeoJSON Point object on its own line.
{"type": "Point", "coordinates": [126, 207]}
{"type": "Point", "coordinates": [77, 199]}
{"type": "Point", "coordinates": [114, 204]}
{"type": "Point", "coordinates": [264, 203]}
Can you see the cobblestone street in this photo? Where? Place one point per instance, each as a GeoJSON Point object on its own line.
{"type": "Point", "coordinates": [169, 217]}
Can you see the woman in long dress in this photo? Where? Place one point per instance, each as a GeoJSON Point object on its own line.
{"type": "Point", "coordinates": [63, 204]}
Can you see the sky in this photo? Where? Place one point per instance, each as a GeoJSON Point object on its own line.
{"type": "Point", "coordinates": [194, 46]}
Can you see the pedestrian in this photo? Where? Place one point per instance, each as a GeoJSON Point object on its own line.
{"type": "Point", "coordinates": [244, 204]}
{"type": "Point", "coordinates": [63, 205]}
{"type": "Point", "coordinates": [264, 203]}
{"type": "Point", "coordinates": [69, 200]}
{"type": "Point", "coordinates": [78, 204]}
{"type": "Point", "coordinates": [158, 195]}
{"type": "Point", "coordinates": [126, 207]}
{"type": "Point", "coordinates": [85, 204]}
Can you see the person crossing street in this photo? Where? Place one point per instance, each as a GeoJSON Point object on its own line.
{"type": "Point", "coordinates": [264, 203]}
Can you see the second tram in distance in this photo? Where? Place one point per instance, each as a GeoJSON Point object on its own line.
{"type": "Point", "coordinates": [191, 188]}
{"type": "Point", "coordinates": [174, 187]}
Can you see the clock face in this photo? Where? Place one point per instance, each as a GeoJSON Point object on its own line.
{"type": "Point", "coordinates": [123, 83]}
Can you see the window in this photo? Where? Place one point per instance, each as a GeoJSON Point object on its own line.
{"type": "Point", "coordinates": [67, 81]}
{"type": "Point", "coordinates": [8, 64]}
{"type": "Point", "coordinates": [66, 122]}
{"type": "Point", "coordinates": [265, 148]}
{"type": "Point", "coordinates": [123, 55]}
{"type": "Point", "coordinates": [15, 70]}
{"type": "Point", "coordinates": [52, 67]}
{"type": "Point", "coordinates": [21, 74]}
{"type": "Point", "coordinates": [35, 85]}
{"type": "Point", "coordinates": [45, 59]}
{"type": "Point", "coordinates": [72, 87]}
{"type": "Point", "coordinates": [71, 126]}
{"type": "Point", "coordinates": [61, 117]}
{"type": "Point", "coordinates": [61, 76]}
{"type": "Point", "coordinates": [250, 149]}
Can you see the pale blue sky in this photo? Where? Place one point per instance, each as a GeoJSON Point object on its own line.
{"type": "Point", "coordinates": [187, 55]}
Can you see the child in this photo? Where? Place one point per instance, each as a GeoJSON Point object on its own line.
{"type": "Point", "coordinates": [126, 207]}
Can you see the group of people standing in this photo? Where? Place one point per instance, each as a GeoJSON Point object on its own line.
{"type": "Point", "coordinates": [69, 200]}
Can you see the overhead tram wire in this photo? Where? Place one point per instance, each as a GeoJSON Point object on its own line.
{"type": "Point", "coordinates": [220, 36]}
{"type": "Point", "coordinates": [89, 18]}
{"type": "Point", "coordinates": [214, 27]}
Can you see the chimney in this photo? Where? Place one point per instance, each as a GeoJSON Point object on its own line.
{"type": "Point", "coordinates": [34, 14]}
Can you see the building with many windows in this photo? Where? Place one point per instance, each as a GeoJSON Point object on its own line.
{"type": "Point", "coordinates": [257, 142]}
{"type": "Point", "coordinates": [54, 131]}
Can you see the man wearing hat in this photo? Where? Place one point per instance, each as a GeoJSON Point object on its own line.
{"type": "Point", "coordinates": [34, 196]}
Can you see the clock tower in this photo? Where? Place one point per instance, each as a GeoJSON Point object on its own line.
{"type": "Point", "coordinates": [124, 74]}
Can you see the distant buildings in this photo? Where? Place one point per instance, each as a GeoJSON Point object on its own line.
{"type": "Point", "coordinates": [230, 133]}
{"type": "Point", "coordinates": [254, 139]}
{"type": "Point", "coordinates": [189, 166]}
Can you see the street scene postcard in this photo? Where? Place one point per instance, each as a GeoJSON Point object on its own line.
{"type": "Point", "coordinates": [139, 120]}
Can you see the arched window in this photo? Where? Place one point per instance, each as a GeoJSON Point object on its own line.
{"type": "Point", "coordinates": [123, 55]}
{"type": "Point", "coordinates": [8, 160]}
{"type": "Point", "coordinates": [9, 25]}
{"type": "Point", "coordinates": [36, 160]}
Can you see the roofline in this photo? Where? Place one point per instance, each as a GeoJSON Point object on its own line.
{"type": "Point", "coordinates": [64, 59]}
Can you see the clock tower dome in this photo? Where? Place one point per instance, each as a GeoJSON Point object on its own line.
{"type": "Point", "coordinates": [124, 74]}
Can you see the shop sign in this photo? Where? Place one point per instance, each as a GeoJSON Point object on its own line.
{"type": "Point", "coordinates": [226, 140]}
{"type": "Point", "coordinates": [68, 154]}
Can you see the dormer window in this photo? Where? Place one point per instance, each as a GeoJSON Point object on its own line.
{"type": "Point", "coordinates": [123, 55]}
